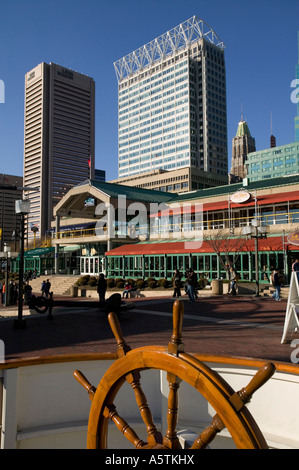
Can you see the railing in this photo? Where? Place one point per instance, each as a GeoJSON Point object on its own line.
{"type": "Point", "coordinates": [189, 226]}
{"type": "Point", "coordinates": [89, 232]}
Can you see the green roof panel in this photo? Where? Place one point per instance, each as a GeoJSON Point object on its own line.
{"type": "Point", "coordinates": [243, 129]}
{"type": "Point", "coordinates": [133, 193]}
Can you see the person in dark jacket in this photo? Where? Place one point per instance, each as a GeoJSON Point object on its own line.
{"type": "Point", "coordinates": [191, 281]}
{"type": "Point", "coordinates": [177, 283]}
{"type": "Point", "coordinates": [102, 287]}
{"type": "Point", "coordinates": [276, 282]}
{"type": "Point", "coordinates": [47, 288]}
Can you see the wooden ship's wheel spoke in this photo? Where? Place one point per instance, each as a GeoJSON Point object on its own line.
{"type": "Point", "coordinates": [231, 412]}
{"type": "Point", "coordinates": [123, 426]}
{"type": "Point", "coordinates": [133, 378]}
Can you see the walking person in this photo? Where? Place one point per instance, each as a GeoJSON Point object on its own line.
{"type": "Point", "coordinates": [233, 281]}
{"type": "Point", "coordinates": [276, 282]}
{"type": "Point", "coordinates": [176, 279]}
{"type": "Point", "coordinates": [47, 287]}
{"type": "Point", "coordinates": [101, 288]}
{"type": "Point", "coordinates": [191, 284]}
{"type": "Point", "coordinates": [10, 289]}
{"type": "Point", "coordinates": [43, 287]}
{"type": "Point", "coordinates": [15, 294]}
{"type": "Point", "coordinates": [3, 293]}
{"type": "Point", "coordinates": [27, 293]}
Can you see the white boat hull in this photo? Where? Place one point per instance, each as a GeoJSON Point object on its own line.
{"type": "Point", "coordinates": [43, 407]}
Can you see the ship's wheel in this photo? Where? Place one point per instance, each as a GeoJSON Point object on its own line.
{"type": "Point", "coordinates": [229, 406]}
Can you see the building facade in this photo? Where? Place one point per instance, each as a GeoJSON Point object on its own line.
{"type": "Point", "coordinates": [195, 230]}
{"type": "Point", "coordinates": [9, 221]}
{"type": "Point", "coordinates": [181, 239]}
{"type": "Point", "coordinates": [243, 144]}
{"type": "Point", "coordinates": [277, 161]}
{"type": "Point", "coordinates": [100, 175]}
{"type": "Point", "coordinates": [273, 162]}
{"type": "Point", "coordinates": [172, 103]}
{"type": "Point", "coordinates": [59, 138]}
{"type": "Point", "coordinates": [178, 181]}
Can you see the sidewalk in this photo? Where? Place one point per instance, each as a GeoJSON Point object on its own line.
{"type": "Point", "coordinates": [241, 326]}
{"type": "Point", "coordinates": [12, 311]}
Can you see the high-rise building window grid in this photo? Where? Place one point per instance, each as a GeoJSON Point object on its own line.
{"type": "Point", "coordinates": [201, 68]}
{"type": "Point", "coordinates": [152, 144]}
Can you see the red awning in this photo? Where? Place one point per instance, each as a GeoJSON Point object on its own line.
{"type": "Point", "coordinates": [193, 246]}
{"type": "Point", "coordinates": [191, 207]}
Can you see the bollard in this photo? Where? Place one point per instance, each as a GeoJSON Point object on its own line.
{"type": "Point", "coordinates": [74, 291]}
{"type": "Point", "coordinates": [217, 286]}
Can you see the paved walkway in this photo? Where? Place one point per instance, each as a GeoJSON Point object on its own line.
{"type": "Point", "coordinates": [241, 326]}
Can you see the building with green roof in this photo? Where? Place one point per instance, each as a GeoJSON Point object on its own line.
{"type": "Point", "coordinates": [243, 129]}
{"type": "Point", "coordinates": [281, 160]}
{"type": "Point", "coordinates": [243, 143]}
{"type": "Point", "coordinates": [98, 228]}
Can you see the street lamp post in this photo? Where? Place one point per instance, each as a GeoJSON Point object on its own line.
{"type": "Point", "coordinates": [34, 229]}
{"type": "Point", "coordinates": [256, 231]}
{"type": "Point", "coordinates": [7, 251]}
{"type": "Point", "coordinates": [22, 208]}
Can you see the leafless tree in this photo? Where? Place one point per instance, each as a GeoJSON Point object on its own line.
{"type": "Point", "coordinates": [226, 247]}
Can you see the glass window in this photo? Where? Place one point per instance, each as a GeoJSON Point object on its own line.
{"type": "Point", "coordinates": [281, 214]}
{"type": "Point", "coordinates": [267, 216]}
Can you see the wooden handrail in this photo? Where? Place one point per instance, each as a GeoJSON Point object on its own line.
{"type": "Point", "coordinates": [232, 360]}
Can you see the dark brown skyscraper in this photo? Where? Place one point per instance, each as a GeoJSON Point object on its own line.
{"type": "Point", "coordinates": [243, 144]}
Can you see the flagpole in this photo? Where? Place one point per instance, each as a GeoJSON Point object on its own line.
{"type": "Point", "coordinates": [89, 164]}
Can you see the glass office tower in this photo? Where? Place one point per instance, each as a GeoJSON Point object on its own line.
{"type": "Point", "coordinates": [59, 137]}
{"type": "Point", "coordinates": [172, 103]}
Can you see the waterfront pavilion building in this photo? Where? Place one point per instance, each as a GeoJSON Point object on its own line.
{"type": "Point", "coordinates": [172, 103]}
{"type": "Point", "coordinates": [179, 232]}
{"type": "Point", "coordinates": [184, 240]}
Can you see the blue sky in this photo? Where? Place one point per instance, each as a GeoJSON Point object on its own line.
{"type": "Point", "coordinates": [261, 54]}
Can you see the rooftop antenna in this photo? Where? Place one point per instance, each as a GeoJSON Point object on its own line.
{"type": "Point", "coordinates": [271, 124]}
{"type": "Point", "coordinates": [241, 111]}
{"type": "Point", "coordinates": [272, 138]}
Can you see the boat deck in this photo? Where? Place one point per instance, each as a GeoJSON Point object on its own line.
{"type": "Point", "coordinates": [221, 325]}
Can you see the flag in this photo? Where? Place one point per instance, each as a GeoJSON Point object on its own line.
{"type": "Point", "coordinates": [89, 161]}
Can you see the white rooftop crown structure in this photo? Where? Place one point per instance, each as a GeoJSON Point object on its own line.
{"type": "Point", "coordinates": [170, 42]}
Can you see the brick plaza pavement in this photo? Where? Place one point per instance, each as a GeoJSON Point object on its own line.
{"type": "Point", "coordinates": [241, 326]}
